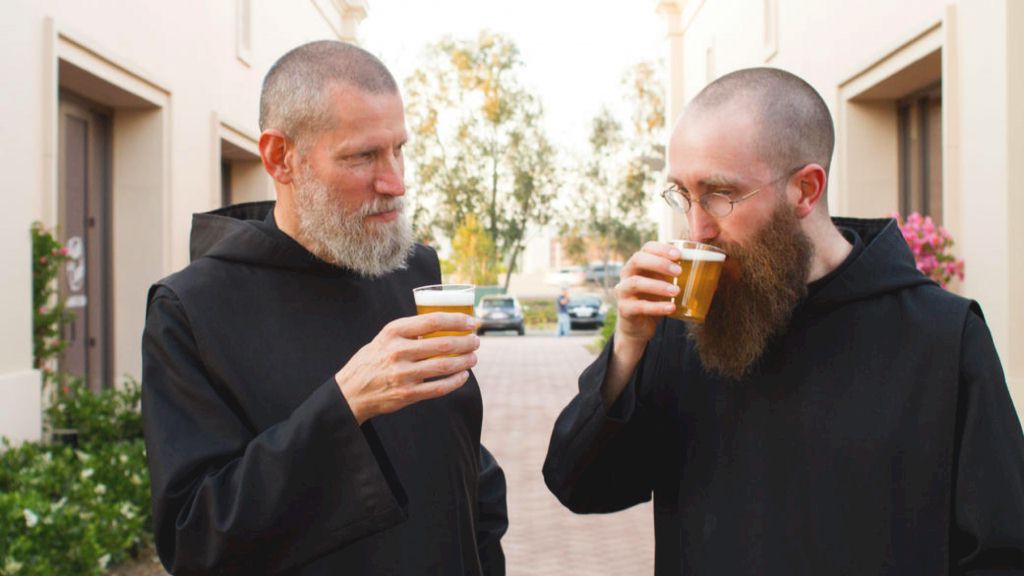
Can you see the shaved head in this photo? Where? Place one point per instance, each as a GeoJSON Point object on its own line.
{"type": "Point", "coordinates": [794, 123]}
{"type": "Point", "coordinates": [295, 92]}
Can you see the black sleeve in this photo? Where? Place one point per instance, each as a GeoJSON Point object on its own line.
{"type": "Point", "coordinates": [599, 459]}
{"type": "Point", "coordinates": [228, 499]}
{"type": "Point", "coordinates": [492, 517]}
{"type": "Point", "coordinates": [989, 484]}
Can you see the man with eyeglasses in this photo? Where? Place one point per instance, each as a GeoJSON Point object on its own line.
{"type": "Point", "coordinates": [837, 412]}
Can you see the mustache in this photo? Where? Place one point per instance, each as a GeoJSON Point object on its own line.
{"type": "Point", "coordinates": [382, 204]}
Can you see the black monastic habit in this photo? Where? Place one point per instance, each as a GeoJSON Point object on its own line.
{"type": "Point", "coordinates": [257, 464]}
{"type": "Point", "coordinates": [875, 436]}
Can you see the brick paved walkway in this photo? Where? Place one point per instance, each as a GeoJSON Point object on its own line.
{"type": "Point", "coordinates": [525, 382]}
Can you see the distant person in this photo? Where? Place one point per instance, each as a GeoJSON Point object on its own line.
{"type": "Point", "coordinates": [295, 422]}
{"type": "Point", "coordinates": [836, 413]}
{"type": "Point", "coordinates": [562, 305]}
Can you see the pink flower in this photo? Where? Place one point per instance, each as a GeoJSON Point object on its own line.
{"type": "Point", "coordinates": [932, 248]}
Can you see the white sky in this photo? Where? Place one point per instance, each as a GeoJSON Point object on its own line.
{"type": "Point", "coordinates": [574, 52]}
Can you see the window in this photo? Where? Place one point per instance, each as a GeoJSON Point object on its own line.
{"type": "Point", "coordinates": [919, 117]}
{"type": "Point", "coordinates": [243, 30]}
{"type": "Point", "coordinates": [771, 29]}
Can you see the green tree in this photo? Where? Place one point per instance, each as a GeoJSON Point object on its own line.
{"type": "Point", "coordinates": [478, 147]}
{"type": "Point", "coordinates": [609, 206]}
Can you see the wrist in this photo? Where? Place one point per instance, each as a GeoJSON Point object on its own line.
{"type": "Point", "coordinates": [627, 351]}
{"type": "Point", "coordinates": [358, 408]}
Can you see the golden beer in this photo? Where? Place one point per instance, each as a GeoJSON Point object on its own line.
{"type": "Point", "coordinates": [702, 265]}
{"type": "Point", "coordinates": [445, 298]}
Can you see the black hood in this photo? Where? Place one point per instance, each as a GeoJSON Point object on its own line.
{"type": "Point", "coordinates": [884, 265]}
{"type": "Point", "coordinates": [247, 233]}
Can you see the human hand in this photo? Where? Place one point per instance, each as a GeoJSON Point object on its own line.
{"type": "Point", "coordinates": [642, 294]}
{"type": "Point", "coordinates": [390, 372]}
{"type": "Point", "coordinates": [643, 291]}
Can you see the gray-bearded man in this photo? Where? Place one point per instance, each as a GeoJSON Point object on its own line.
{"type": "Point", "coordinates": [295, 421]}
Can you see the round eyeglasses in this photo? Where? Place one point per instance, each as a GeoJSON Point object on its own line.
{"type": "Point", "coordinates": [716, 204]}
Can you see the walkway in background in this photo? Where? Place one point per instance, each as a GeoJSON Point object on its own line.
{"type": "Point", "coordinates": [525, 382]}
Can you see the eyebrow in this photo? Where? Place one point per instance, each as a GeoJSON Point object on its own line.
{"type": "Point", "coordinates": [712, 181]}
{"type": "Point", "coordinates": [348, 149]}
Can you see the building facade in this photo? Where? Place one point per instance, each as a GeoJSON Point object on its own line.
{"type": "Point", "coordinates": [124, 119]}
{"type": "Point", "coordinates": [924, 94]}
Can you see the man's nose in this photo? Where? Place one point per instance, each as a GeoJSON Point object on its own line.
{"type": "Point", "coordinates": [390, 178]}
{"type": "Point", "coordinates": [703, 226]}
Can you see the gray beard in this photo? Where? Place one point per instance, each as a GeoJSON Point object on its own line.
{"type": "Point", "coordinates": [343, 238]}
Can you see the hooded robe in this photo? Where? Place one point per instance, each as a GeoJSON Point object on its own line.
{"type": "Point", "coordinates": [876, 435]}
{"type": "Point", "coordinates": [257, 464]}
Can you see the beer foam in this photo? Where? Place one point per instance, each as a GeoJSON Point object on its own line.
{"type": "Point", "coordinates": [444, 297]}
{"type": "Point", "coordinates": [702, 255]}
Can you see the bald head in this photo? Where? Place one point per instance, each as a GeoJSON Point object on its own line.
{"type": "Point", "coordinates": [294, 97]}
{"type": "Point", "coordinates": [794, 124]}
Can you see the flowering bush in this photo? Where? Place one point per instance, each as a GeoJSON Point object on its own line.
{"type": "Point", "coordinates": [932, 247]}
{"type": "Point", "coordinates": [48, 314]}
{"type": "Point", "coordinates": [79, 506]}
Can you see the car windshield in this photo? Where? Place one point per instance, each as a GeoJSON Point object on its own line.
{"type": "Point", "coordinates": [502, 303]}
{"type": "Point", "coordinates": [595, 302]}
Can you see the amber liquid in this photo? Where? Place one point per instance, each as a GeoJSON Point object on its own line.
{"type": "Point", "coordinates": [467, 309]}
{"type": "Point", "coordinates": [697, 283]}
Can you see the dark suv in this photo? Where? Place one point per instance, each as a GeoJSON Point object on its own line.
{"type": "Point", "coordinates": [500, 312]}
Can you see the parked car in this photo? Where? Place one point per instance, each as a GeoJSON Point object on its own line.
{"type": "Point", "coordinates": [586, 312]}
{"type": "Point", "coordinates": [569, 276]}
{"type": "Point", "coordinates": [598, 273]}
{"type": "Point", "coordinates": [500, 312]}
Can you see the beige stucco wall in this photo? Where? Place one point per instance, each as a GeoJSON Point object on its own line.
{"type": "Point", "coordinates": [861, 56]}
{"type": "Point", "coordinates": [178, 83]}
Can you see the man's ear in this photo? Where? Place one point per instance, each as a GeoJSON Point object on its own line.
{"type": "Point", "coordinates": [277, 152]}
{"type": "Point", "coordinates": [810, 182]}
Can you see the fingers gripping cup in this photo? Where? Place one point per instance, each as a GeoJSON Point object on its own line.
{"type": "Point", "coordinates": [702, 265]}
{"type": "Point", "coordinates": [445, 298]}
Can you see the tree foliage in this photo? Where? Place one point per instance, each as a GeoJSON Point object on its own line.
{"type": "Point", "coordinates": [478, 147]}
{"type": "Point", "coordinates": [472, 248]}
{"type": "Point", "coordinates": [609, 207]}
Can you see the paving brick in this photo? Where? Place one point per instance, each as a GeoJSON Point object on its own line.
{"type": "Point", "coordinates": [525, 382]}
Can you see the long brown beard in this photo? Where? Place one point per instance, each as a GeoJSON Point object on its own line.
{"type": "Point", "coordinates": [757, 293]}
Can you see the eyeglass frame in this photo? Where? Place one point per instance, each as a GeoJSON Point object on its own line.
{"type": "Point", "coordinates": [675, 190]}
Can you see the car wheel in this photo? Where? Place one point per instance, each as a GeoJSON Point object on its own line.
{"type": "Point", "coordinates": [521, 330]}
{"type": "Point", "coordinates": [480, 331]}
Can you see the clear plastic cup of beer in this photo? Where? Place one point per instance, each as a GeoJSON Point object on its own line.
{"type": "Point", "coordinates": [445, 298]}
{"type": "Point", "coordinates": [701, 266]}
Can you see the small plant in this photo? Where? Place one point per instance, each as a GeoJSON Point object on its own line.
{"type": "Point", "coordinates": [48, 313]}
{"type": "Point", "coordinates": [932, 246]}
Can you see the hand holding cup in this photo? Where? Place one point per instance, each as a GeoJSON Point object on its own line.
{"type": "Point", "coordinates": [412, 359]}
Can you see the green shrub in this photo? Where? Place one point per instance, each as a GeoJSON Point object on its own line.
{"type": "Point", "coordinates": [98, 417]}
{"type": "Point", "coordinates": [538, 312]}
{"type": "Point", "coordinates": [77, 506]}
{"type": "Point", "coordinates": [76, 510]}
